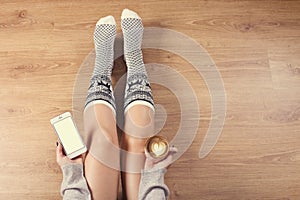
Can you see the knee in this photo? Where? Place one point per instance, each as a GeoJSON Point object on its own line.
{"type": "Point", "coordinates": [139, 123]}
{"type": "Point", "coordinates": [140, 115]}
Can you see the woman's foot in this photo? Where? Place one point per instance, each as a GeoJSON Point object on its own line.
{"type": "Point", "coordinates": [100, 90]}
{"type": "Point", "coordinates": [104, 37]}
{"type": "Point", "coordinates": [138, 89]}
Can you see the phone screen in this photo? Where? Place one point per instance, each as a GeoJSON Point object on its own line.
{"type": "Point", "coordinates": [68, 135]}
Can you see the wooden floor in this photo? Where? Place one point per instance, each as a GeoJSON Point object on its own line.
{"type": "Point", "coordinates": [255, 45]}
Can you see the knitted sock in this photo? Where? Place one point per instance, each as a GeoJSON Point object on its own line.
{"type": "Point", "coordinates": [100, 90]}
{"type": "Point", "coordinates": [138, 90]}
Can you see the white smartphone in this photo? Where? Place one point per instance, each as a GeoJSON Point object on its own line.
{"type": "Point", "coordinates": [68, 135]}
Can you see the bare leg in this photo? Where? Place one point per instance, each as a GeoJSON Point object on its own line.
{"type": "Point", "coordinates": [138, 104]}
{"type": "Point", "coordinates": [139, 121]}
{"type": "Point", "coordinates": [103, 180]}
{"type": "Point", "coordinates": [102, 160]}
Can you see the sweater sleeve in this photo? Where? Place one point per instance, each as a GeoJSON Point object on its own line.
{"type": "Point", "coordinates": [74, 185]}
{"type": "Point", "coordinates": [152, 185]}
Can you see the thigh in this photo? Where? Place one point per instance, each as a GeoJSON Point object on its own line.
{"type": "Point", "coordinates": [103, 181]}
{"type": "Point", "coordinates": [139, 125]}
{"type": "Point", "coordinates": [103, 148]}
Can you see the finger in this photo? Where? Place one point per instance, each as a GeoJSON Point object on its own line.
{"type": "Point", "coordinates": [59, 150]}
{"type": "Point", "coordinates": [146, 153]}
{"type": "Point", "coordinates": [169, 158]}
{"type": "Point", "coordinates": [78, 159]}
{"type": "Point", "coordinates": [173, 150]}
{"type": "Point", "coordinates": [148, 156]}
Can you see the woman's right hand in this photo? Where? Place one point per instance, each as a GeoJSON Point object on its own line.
{"type": "Point", "coordinates": [62, 159]}
{"type": "Point", "coordinates": [152, 164]}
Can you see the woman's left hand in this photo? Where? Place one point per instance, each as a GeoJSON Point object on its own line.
{"type": "Point", "coordinates": [62, 159]}
{"type": "Point", "coordinates": [151, 163]}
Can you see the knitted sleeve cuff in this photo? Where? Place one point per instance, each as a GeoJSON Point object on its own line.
{"type": "Point", "coordinates": [74, 183]}
{"type": "Point", "coordinates": [152, 181]}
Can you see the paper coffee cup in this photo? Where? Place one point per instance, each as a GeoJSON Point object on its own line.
{"type": "Point", "coordinates": [157, 147]}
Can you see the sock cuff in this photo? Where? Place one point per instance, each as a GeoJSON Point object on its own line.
{"type": "Point", "coordinates": [100, 101]}
{"type": "Point", "coordinates": [139, 102]}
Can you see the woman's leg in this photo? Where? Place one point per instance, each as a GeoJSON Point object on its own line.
{"type": "Point", "coordinates": [102, 159]}
{"type": "Point", "coordinates": [138, 104]}
{"type": "Point", "coordinates": [102, 177]}
{"type": "Point", "coordinates": [139, 121]}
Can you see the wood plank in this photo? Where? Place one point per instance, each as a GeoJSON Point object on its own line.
{"type": "Point", "coordinates": [255, 45]}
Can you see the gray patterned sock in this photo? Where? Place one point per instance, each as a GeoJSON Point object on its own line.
{"type": "Point", "coordinates": [100, 89]}
{"type": "Point", "coordinates": [138, 87]}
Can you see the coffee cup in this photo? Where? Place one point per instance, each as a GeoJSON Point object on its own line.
{"type": "Point", "coordinates": [157, 147]}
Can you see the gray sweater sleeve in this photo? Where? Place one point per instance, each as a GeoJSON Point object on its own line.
{"type": "Point", "coordinates": [74, 186]}
{"type": "Point", "coordinates": [152, 185]}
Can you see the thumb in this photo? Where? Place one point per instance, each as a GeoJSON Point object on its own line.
{"type": "Point", "coordinates": [59, 151]}
{"type": "Point", "coordinates": [173, 150]}
{"type": "Point", "coordinates": [147, 154]}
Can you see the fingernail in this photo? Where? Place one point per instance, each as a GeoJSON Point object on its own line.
{"type": "Point", "coordinates": [56, 143]}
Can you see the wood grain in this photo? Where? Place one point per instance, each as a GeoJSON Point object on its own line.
{"type": "Point", "coordinates": [255, 45]}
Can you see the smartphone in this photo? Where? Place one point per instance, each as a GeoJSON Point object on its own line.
{"type": "Point", "coordinates": [68, 135]}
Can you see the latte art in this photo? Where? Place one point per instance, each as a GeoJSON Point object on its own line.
{"type": "Point", "coordinates": [157, 146]}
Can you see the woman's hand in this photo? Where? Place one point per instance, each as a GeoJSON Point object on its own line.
{"type": "Point", "coordinates": [151, 163]}
{"type": "Point", "coordinates": [62, 160]}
